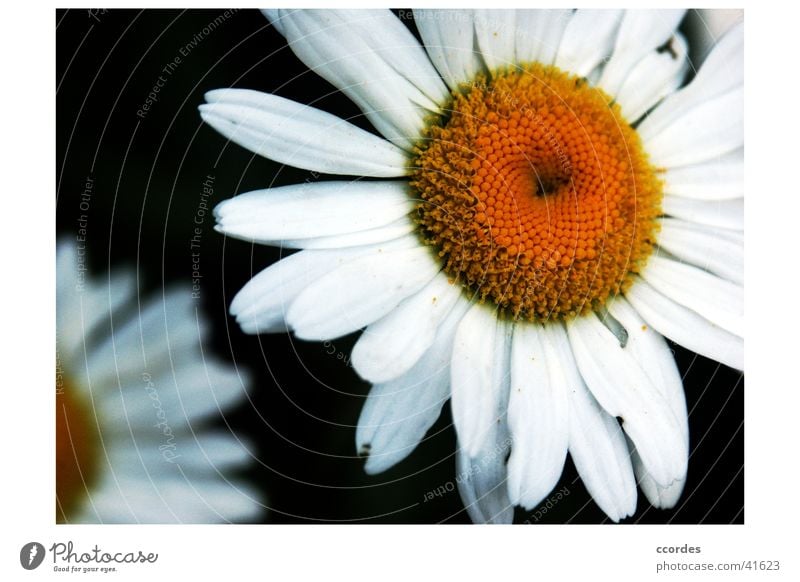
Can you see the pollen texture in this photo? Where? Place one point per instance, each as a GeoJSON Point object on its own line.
{"type": "Point", "coordinates": [77, 446]}
{"type": "Point", "coordinates": [536, 193]}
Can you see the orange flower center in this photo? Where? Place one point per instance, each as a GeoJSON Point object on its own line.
{"type": "Point", "coordinates": [77, 447]}
{"type": "Point", "coordinates": [537, 194]}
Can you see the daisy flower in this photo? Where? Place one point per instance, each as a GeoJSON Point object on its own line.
{"type": "Point", "coordinates": [548, 201]}
{"type": "Point", "coordinates": [134, 393]}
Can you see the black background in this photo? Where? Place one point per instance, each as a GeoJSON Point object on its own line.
{"type": "Point", "coordinates": [148, 179]}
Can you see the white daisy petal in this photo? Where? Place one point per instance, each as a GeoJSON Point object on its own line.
{"type": "Point", "coordinates": [600, 454]}
{"type": "Point", "coordinates": [449, 39]}
{"type": "Point", "coordinates": [706, 248]}
{"type": "Point", "coordinates": [195, 454]}
{"type": "Point", "coordinates": [105, 504]}
{"type": "Point", "coordinates": [67, 273]}
{"type": "Point", "coordinates": [187, 395]}
{"type": "Point", "coordinates": [398, 413]}
{"type": "Point", "coordinates": [623, 388]}
{"type": "Point", "coordinates": [169, 497]}
{"type": "Point", "coordinates": [596, 441]}
{"type": "Point", "coordinates": [218, 450]}
{"type": "Point", "coordinates": [391, 346]}
{"type": "Point", "coordinates": [720, 178]}
{"type": "Point", "coordinates": [494, 31]}
{"type": "Point", "coordinates": [481, 474]}
{"type": "Point", "coordinates": [587, 40]}
{"type": "Point", "coordinates": [640, 32]}
{"type": "Point", "coordinates": [710, 129]}
{"type": "Point", "coordinates": [118, 290]}
{"type": "Point", "coordinates": [479, 376]}
{"type": "Point", "coordinates": [390, 37]}
{"type": "Point", "coordinates": [718, 214]}
{"type": "Point", "coordinates": [99, 299]}
{"type": "Point", "coordinates": [662, 497]}
{"type": "Point", "coordinates": [136, 493]}
{"type": "Point", "coordinates": [81, 303]}
{"type": "Point", "coordinates": [704, 119]}
{"type": "Point", "coordinates": [538, 417]}
{"type": "Point", "coordinates": [686, 327]}
{"type": "Point", "coordinates": [650, 349]}
{"type": "Point", "coordinates": [261, 305]}
{"type": "Point", "coordinates": [164, 333]}
{"type": "Point", "coordinates": [381, 234]}
{"type": "Point", "coordinates": [84, 308]}
{"type": "Point", "coordinates": [717, 300]}
{"type": "Point", "coordinates": [300, 136]}
{"type": "Point", "coordinates": [372, 58]}
{"type": "Point", "coordinates": [705, 26]}
{"type": "Point", "coordinates": [360, 292]}
{"type": "Point", "coordinates": [230, 501]}
{"type": "Point", "coordinates": [658, 74]}
{"type": "Point", "coordinates": [482, 480]}
{"type": "Point", "coordinates": [313, 210]}
{"type": "Point", "coordinates": [593, 77]}
{"type": "Point", "coordinates": [722, 72]}
{"type": "Point", "coordinates": [538, 34]}
{"type": "Point", "coordinates": [273, 15]}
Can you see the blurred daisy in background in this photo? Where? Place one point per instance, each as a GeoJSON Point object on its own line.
{"type": "Point", "coordinates": [554, 199]}
{"type": "Point", "coordinates": [135, 393]}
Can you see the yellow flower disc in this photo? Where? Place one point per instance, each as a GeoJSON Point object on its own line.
{"type": "Point", "coordinates": [77, 446]}
{"type": "Point", "coordinates": [537, 194]}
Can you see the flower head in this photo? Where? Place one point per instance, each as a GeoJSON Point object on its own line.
{"type": "Point", "coordinates": [553, 200]}
{"type": "Point", "coordinates": [135, 395]}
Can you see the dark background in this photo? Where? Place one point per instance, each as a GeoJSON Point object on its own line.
{"type": "Point", "coordinates": [148, 179]}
